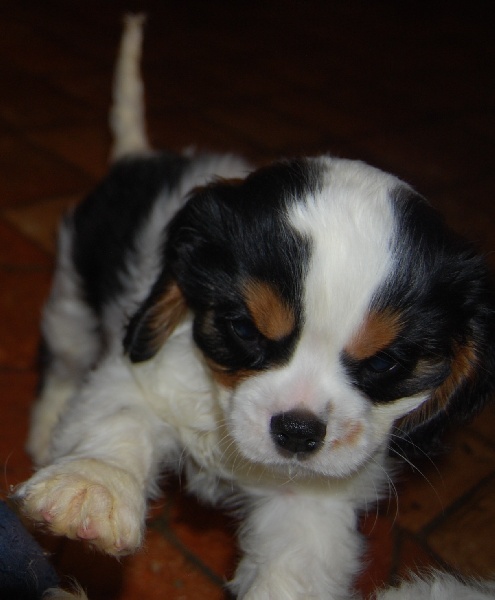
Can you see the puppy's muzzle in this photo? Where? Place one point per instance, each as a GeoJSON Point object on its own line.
{"type": "Point", "coordinates": [297, 432]}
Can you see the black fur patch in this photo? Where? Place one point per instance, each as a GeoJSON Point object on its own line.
{"type": "Point", "coordinates": [106, 223]}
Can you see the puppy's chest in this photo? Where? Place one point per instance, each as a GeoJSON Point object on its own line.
{"type": "Point", "coordinates": [177, 388]}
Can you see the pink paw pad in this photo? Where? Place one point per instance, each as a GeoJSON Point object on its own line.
{"type": "Point", "coordinates": [47, 516]}
{"type": "Point", "coordinates": [87, 532]}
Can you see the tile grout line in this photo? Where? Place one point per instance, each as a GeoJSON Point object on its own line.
{"type": "Point", "coordinates": [440, 518]}
{"type": "Point", "coordinates": [162, 527]}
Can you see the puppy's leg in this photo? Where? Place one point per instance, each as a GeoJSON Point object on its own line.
{"type": "Point", "coordinates": [298, 547]}
{"type": "Point", "coordinates": [71, 346]}
{"type": "Point", "coordinates": [105, 457]}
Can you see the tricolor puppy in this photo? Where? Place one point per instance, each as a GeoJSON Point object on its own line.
{"type": "Point", "coordinates": [273, 333]}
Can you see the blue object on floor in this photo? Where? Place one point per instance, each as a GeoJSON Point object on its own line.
{"type": "Point", "coordinates": [25, 572]}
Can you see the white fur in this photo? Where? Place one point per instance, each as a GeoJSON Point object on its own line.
{"type": "Point", "coordinates": [66, 317]}
{"type": "Point", "coordinates": [127, 119]}
{"type": "Point", "coordinates": [439, 586]}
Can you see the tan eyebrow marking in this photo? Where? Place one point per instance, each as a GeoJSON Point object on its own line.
{"type": "Point", "coordinates": [226, 378]}
{"type": "Point", "coordinates": [271, 314]}
{"type": "Point", "coordinates": [379, 330]}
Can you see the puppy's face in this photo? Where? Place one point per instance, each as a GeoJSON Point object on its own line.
{"type": "Point", "coordinates": [333, 308]}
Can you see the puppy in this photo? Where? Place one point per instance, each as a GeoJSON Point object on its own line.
{"type": "Point", "coordinates": [274, 333]}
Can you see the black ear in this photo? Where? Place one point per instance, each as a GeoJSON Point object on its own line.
{"type": "Point", "coordinates": [153, 323]}
{"type": "Point", "coordinates": [185, 274]}
{"type": "Point", "coordinates": [469, 385]}
{"type": "Point", "coordinates": [444, 287]}
{"type": "Point", "coordinates": [461, 396]}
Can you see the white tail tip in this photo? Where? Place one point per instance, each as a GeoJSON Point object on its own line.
{"type": "Point", "coordinates": [127, 115]}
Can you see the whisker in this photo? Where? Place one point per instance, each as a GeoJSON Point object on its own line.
{"type": "Point", "coordinates": [392, 490]}
{"type": "Point", "coordinates": [420, 472]}
{"type": "Point", "coordinates": [406, 438]}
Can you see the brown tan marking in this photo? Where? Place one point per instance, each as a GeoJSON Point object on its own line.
{"type": "Point", "coordinates": [351, 436]}
{"type": "Point", "coordinates": [271, 315]}
{"type": "Point", "coordinates": [376, 333]}
{"type": "Point", "coordinates": [226, 378]}
{"type": "Point", "coordinates": [462, 369]}
{"type": "Point", "coordinates": [167, 312]}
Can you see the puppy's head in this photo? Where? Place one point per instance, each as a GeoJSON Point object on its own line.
{"type": "Point", "coordinates": [334, 309]}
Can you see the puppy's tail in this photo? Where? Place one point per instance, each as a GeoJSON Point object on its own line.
{"type": "Point", "coordinates": [127, 114]}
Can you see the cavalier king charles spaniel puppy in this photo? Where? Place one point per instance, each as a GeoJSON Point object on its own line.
{"type": "Point", "coordinates": [276, 334]}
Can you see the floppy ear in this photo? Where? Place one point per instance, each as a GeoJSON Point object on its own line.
{"type": "Point", "coordinates": [185, 274]}
{"type": "Point", "coordinates": [468, 387]}
{"type": "Point", "coordinates": [153, 323]}
{"type": "Point", "coordinates": [445, 287]}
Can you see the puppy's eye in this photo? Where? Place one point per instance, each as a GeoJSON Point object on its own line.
{"type": "Point", "coordinates": [244, 329]}
{"type": "Point", "coordinates": [382, 363]}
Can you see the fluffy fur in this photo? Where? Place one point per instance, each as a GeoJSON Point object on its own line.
{"type": "Point", "coordinates": [439, 586]}
{"type": "Point", "coordinates": [274, 333]}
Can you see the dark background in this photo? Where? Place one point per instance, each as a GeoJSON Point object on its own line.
{"type": "Point", "coordinates": [407, 86]}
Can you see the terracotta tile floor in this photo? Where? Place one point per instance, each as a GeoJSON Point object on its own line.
{"type": "Point", "coordinates": [407, 86]}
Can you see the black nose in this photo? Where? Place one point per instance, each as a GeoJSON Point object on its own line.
{"type": "Point", "coordinates": [297, 431]}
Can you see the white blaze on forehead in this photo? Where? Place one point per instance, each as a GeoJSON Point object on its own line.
{"type": "Point", "coordinates": [350, 224]}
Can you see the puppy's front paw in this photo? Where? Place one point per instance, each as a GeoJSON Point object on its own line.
{"type": "Point", "coordinates": [89, 500]}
